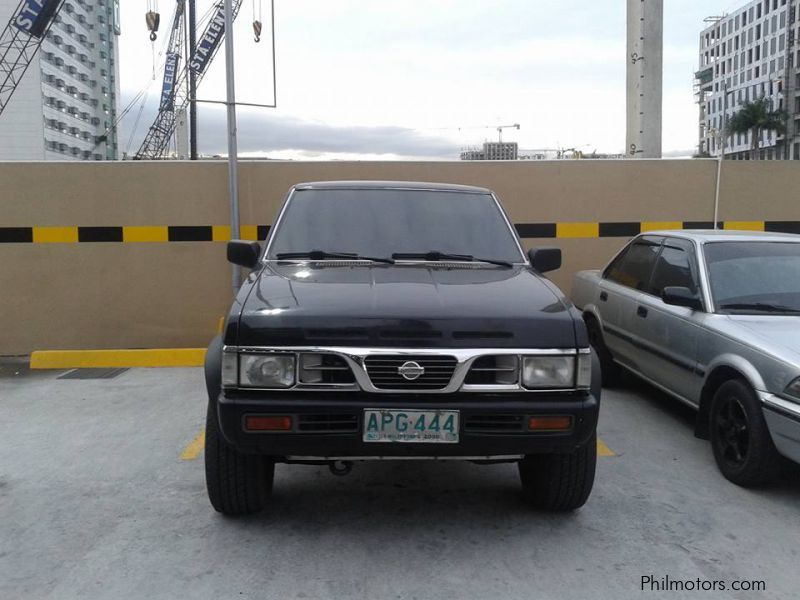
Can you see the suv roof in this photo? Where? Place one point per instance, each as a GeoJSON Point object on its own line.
{"type": "Point", "coordinates": [383, 185]}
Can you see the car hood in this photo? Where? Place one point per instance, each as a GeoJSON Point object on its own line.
{"type": "Point", "coordinates": [404, 306]}
{"type": "Point", "coordinates": [778, 334]}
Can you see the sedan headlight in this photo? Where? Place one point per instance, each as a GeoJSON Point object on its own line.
{"type": "Point", "coordinates": [266, 370]}
{"type": "Point", "coordinates": [793, 389]}
{"type": "Point", "coordinates": [557, 372]}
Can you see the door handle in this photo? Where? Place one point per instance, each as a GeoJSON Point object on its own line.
{"type": "Point", "coordinates": [641, 311]}
{"type": "Point", "coordinates": [603, 296]}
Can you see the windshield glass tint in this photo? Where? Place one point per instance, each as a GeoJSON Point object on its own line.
{"type": "Point", "coordinates": [754, 272]}
{"type": "Point", "coordinates": [383, 222]}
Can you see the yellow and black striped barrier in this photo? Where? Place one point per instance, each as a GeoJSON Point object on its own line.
{"type": "Point", "coordinates": [222, 233]}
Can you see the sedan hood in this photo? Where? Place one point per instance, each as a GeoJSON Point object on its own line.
{"type": "Point", "coordinates": [404, 306]}
{"type": "Point", "coordinates": [778, 334]}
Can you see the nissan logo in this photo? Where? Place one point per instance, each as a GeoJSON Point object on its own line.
{"type": "Point", "coordinates": [411, 370]}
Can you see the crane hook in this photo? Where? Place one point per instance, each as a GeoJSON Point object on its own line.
{"type": "Point", "coordinates": [153, 20]}
{"type": "Point", "coordinates": [257, 30]}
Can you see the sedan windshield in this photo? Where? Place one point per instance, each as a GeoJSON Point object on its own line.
{"type": "Point", "coordinates": [755, 277]}
{"type": "Point", "coordinates": [383, 223]}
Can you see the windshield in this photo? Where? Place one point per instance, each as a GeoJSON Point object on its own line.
{"type": "Point", "coordinates": [381, 223]}
{"type": "Point", "coordinates": [754, 277]}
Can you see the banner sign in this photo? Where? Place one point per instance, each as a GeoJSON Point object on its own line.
{"type": "Point", "coordinates": [35, 16]}
{"type": "Point", "coordinates": [209, 42]}
{"type": "Point", "coordinates": [170, 75]}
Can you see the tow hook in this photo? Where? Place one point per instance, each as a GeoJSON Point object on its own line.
{"type": "Point", "coordinates": [341, 467]}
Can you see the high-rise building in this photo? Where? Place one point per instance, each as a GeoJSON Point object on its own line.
{"type": "Point", "coordinates": [65, 107]}
{"type": "Point", "coordinates": [753, 52]}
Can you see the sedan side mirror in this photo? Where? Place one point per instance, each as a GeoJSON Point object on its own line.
{"type": "Point", "coordinates": [545, 259]}
{"type": "Point", "coordinates": [681, 296]}
{"type": "Point", "coordinates": [243, 253]}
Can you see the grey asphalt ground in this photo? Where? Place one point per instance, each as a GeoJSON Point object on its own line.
{"type": "Point", "coordinates": [95, 502]}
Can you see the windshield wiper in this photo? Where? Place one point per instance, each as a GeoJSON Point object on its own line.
{"type": "Point", "coordinates": [435, 255]}
{"type": "Point", "coordinates": [323, 255]}
{"type": "Point", "coordinates": [762, 306]}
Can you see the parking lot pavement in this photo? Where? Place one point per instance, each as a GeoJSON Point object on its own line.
{"type": "Point", "coordinates": [96, 501]}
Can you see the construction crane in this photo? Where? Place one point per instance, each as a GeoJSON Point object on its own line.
{"type": "Point", "coordinates": [173, 86]}
{"type": "Point", "coordinates": [500, 130]}
{"type": "Point", "coordinates": [20, 41]}
{"type": "Point", "coordinates": [176, 100]}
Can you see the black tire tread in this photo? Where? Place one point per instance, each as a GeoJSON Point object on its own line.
{"type": "Point", "coordinates": [237, 483]}
{"type": "Point", "coordinates": [764, 463]}
{"type": "Point", "coordinates": [559, 482]}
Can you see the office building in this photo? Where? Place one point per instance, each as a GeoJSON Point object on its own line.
{"type": "Point", "coordinates": [65, 107]}
{"type": "Point", "coordinates": [746, 55]}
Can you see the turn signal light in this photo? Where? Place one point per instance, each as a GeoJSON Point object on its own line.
{"type": "Point", "coordinates": [263, 423]}
{"type": "Point", "coordinates": [549, 423]}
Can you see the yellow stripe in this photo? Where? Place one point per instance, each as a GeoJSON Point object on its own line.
{"type": "Point", "coordinates": [603, 450]}
{"type": "Point", "coordinates": [195, 447]}
{"type": "Point", "coordinates": [745, 225]}
{"type": "Point", "coordinates": [220, 233]}
{"type": "Point", "coordinates": [249, 232]}
{"type": "Point", "coordinates": [82, 359]}
{"type": "Point", "coordinates": [577, 230]}
{"type": "Point", "coordinates": [145, 234]}
{"type": "Point", "coordinates": [221, 325]}
{"type": "Point", "coordinates": [53, 235]}
{"type": "Point", "coordinates": [660, 225]}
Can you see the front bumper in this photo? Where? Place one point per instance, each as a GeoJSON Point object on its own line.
{"type": "Point", "coordinates": [783, 421]}
{"type": "Point", "coordinates": [482, 435]}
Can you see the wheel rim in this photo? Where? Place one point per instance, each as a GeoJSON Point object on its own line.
{"type": "Point", "coordinates": [733, 434]}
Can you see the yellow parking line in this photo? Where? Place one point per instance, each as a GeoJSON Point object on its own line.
{"type": "Point", "coordinates": [195, 447]}
{"type": "Point", "coordinates": [82, 359]}
{"type": "Point", "coordinates": [603, 450]}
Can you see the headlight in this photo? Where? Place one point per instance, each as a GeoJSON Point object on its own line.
{"type": "Point", "coordinates": [266, 370]}
{"type": "Point", "coordinates": [548, 372]}
{"type": "Point", "coordinates": [793, 389]}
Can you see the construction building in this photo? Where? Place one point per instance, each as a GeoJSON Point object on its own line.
{"type": "Point", "coordinates": [65, 107]}
{"type": "Point", "coordinates": [492, 151]}
{"type": "Point", "coordinates": [753, 52]}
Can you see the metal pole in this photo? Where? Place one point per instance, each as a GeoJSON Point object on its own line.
{"type": "Point", "coordinates": [192, 83]}
{"type": "Point", "coordinates": [233, 167]}
{"type": "Point", "coordinates": [723, 146]}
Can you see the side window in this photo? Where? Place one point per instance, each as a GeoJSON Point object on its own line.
{"type": "Point", "coordinates": [633, 268]}
{"type": "Point", "coordinates": [673, 268]}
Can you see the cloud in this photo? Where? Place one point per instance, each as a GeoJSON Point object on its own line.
{"type": "Point", "coordinates": [289, 136]}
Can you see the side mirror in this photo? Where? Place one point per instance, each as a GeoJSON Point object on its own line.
{"type": "Point", "coordinates": [545, 260]}
{"type": "Point", "coordinates": [681, 296]}
{"type": "Point", "coordinates": [244, 253]}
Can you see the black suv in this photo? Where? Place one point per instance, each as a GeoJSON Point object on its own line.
{"type": "Point", "coordinates": [389, 320]}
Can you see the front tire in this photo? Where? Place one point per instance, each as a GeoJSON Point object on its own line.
{"type": "Point", "coordinates": [740, 438]}
{"type": "Point", "coordinates": [237, 483]}
{"type": "Point", "coordinates": [559, 482]}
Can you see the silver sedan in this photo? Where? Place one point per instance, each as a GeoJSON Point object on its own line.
{"type": "Point", "coordinates": [713, 319]}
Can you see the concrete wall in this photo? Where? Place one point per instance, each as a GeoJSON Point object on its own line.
{"type": "Point", "coordinates": [60, 293]}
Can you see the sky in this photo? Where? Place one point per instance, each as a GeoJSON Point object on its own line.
{"type": "Point", "coordinates": [423, 79]}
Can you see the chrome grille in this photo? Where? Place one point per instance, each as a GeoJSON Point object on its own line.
{"type": "Point", "coordinates": [384, 374]}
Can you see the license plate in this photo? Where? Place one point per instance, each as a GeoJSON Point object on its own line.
{"type": "Point", "coordinates": [411, 426]}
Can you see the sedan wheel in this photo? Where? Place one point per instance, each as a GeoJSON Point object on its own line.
{"type": "Point", "coordinates": [732, 432]}
{"type": "Point", "coordinates": [741, 441]}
